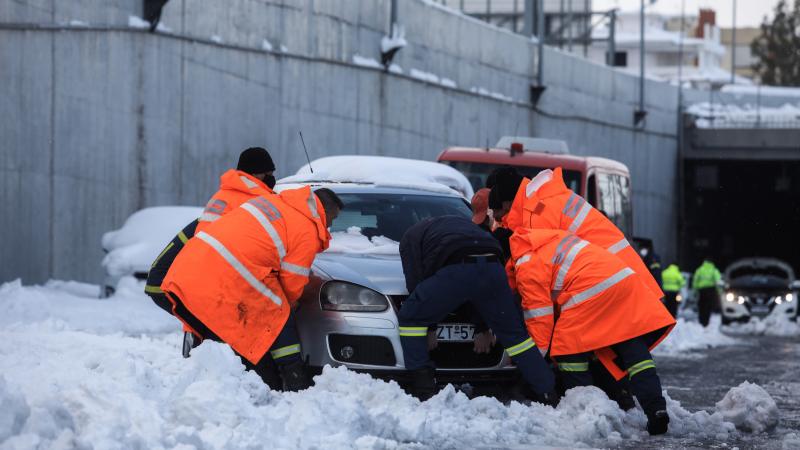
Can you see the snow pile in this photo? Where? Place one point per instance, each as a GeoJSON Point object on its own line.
{"type": "Point", "coordinates": [138, 22]}
{"type": "Point", "coordinates": [689, 335]}
{"type": "Point", "coordinates": [352, 241]}
{"type": "Point", "coordinates": [76, 306]}
{"type": "Point", "coordinates": [772, 325]}
{"type": "Point", "coordinates": [71, 381]}
{"type": "Point", "coordinates": [135, 246]}
{"type": "Point", "coordinates": [749, 407]}
{"type": "Point", "coordinates": [716, 115]}
{"type": "Point", "coordinates": [395, 41]}
{"type": "Point", "coordinates": [791, 441]}
{"type": "Point", "coordinates": [266, 45]}
{"type": "Point", "coordinates": [384, 171]}
{"type": "Point", "coordinates": [366, 62]}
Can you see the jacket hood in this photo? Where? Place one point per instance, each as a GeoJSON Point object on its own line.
{"type": "Point", "coordinates": [236, 180]}
{"type": "Point", "coordinates": [513, 219]}
{"type": "Point", "coordinates": [307, 204]}
{"type": "Point", "coordinates": [529, 240]}
{"type": "Point", "coordinates": [550, 185]}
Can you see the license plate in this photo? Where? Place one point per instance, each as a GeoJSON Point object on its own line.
{"type": "Point", "coordinates": [455, 332]}
{"type": "Point", "coordinates": [760, 309]}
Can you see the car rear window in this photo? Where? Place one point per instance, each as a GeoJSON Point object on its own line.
{"type": "Point", "coordinates": [390, 215]}
{"type": "Point", "coordinates": [477, 172]}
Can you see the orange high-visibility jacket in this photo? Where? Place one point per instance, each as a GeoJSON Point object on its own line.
{"type": "Point", "coordinates": [240, 275]}
{"type": "Point", "coordinates": [577, 297]}
{"type": "Point", "coordinates": [546, 202]}
{"type": "Point", "coordinates": [235, 188]}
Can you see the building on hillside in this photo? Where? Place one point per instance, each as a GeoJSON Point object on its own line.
{"type": "Point", "coordinates": [744, 55]}
{"type": "Point", "coordinates": [694, 57]}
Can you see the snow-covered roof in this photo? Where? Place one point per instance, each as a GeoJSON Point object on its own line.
{"type": "Point", "coordinates": [384, 171]}
{"type": "Point", "coordinates": [722, 115]}
{"type": "Point", "coordinates": [141, 238]}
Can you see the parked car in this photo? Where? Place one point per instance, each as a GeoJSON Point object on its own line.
{"type": "Point", "coordinates": [347, 315]}
{"type": "Point", "coordinates": [758, 287]}
{"type": "Point", "coordinates": [605, 183]}
{"type": "Point", "coordinates": [131, 249]}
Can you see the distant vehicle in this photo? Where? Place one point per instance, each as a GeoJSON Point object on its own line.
{"type": "Point", "coordinates": [131, 249]}
{"type": "Point", "coordinates": [605, 183]}
{"type": "Point", "coordinates": [348, 312]}
{"type": "Point", "coordinates": [759, 287]}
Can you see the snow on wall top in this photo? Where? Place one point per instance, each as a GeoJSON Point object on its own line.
{"type": "Point", "coordinates": [384, 171]}
{"type": "Point", "coordinates": [144, 234]}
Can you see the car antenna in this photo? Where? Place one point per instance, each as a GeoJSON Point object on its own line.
{"type": "Point", "coordinates": [306, 150]}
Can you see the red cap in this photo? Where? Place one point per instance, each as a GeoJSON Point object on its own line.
{"type": "Point", "coordinates": [480, 205]}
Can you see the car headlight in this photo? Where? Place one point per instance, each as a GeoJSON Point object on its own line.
{"type": "Point", "coordinates": [779, 299]}
{"type": "Point", "coordinates": [341, 296]}
{"type": "Point", "coordinates": [729, 296]}
{"type": "Point", "coordinates": [679, 298]}
{"type": "Point", "coordinates": [789, 297]}
{"type": "Point", "coordinates": [741, 300]}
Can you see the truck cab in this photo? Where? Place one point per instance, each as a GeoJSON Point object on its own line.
{"type": "Point", "coordinates": [605, 183]}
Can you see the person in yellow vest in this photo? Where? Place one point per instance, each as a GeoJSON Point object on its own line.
{"type": "Point", "coordinates": [705, 281]}
{"type": "Point", "coordinates": [672, 281]}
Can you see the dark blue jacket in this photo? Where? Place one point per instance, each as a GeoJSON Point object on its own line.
{"type": "Point", "coordinates": [429, 245]}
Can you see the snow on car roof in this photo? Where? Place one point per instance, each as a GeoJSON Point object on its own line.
{"type": "Point", "coordinates": [384, 171]}
{"type": "Point", "coordinates": [135, 245]}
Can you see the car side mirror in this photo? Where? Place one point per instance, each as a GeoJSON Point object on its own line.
{"type": "Point", "coordinates": [795, 286]}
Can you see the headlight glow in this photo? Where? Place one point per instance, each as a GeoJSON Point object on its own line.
{"type": "Point", "coordinates": [741, 300]}
{"type": "Point", "coordinates": [778, 300]}
{"type": "Point", "coordinates": [341, 296]}
{"type": "Point", "coordinates": [789, 297]}
{"type": "Point", "coordinates": [679, 298]}
{"type": "Point", "coordinates": [729, 296]}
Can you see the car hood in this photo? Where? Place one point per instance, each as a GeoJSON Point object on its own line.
{"type": "Point", "coordinates": [383, 273]}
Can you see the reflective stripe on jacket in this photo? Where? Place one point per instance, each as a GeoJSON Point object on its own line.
{"type": "Point", "coordinates": [706, 276]}
{"type": "Point", "coordinates": [235, 188]}
{"type": "Point", "coordinates": [159, 268]}
{"type": "Point", "coordinates": [673, 279]}
{"type": "Point", "coordinates": [546, 202]}
{"type": "Point", "coordinates": [241, 273]}
{"type": "Point", "coordinates": [597, 300]}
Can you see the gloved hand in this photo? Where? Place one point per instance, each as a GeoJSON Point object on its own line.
{"type": "Point", "coordinates": [484, 341]}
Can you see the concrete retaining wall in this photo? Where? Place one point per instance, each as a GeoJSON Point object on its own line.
{"type": "Point", "coordinates": [104, 119]}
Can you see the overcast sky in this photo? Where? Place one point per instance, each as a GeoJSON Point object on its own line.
{"type": "Point", "coordinates": [748, 12]}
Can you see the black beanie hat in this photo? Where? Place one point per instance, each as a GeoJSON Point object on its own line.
{"type": "Point", "coordinates": [506, 182]}
{"type": "Point", "coordinates": [255, 160]}
{"type": "Point", "coordinates": [494, 199]}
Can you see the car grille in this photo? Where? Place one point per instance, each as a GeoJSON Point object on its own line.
{"type": "Point", "coordinates": [458, 355]}
{"type": "Point", "coordinates": [372, 350]}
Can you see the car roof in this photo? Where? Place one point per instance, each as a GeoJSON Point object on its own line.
{"type": "Point", "coordinates": [529, 158]}
{"type": "Point", "coordinates": [367, 188]}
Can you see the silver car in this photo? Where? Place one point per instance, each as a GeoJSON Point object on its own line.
{"type": "Point", "coordinates": [347, 314]}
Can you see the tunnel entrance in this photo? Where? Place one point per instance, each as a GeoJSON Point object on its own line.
{"type": "Point", "coordinates": [740, 196]}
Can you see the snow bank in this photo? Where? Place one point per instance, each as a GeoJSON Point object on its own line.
{"type": "Point", "coordinates": [75, 306]}
{"type": "Point", "coordinates": [688, 336]}
{"type": "Point", "coordinates": [749, 407]}
{"type": "Point", "coordinates": [352, 241]}
{"type": "Point", "coordinates": [773, 325]}
{"type": "Point", "coordinates": [385, 171]}
{"type": "Point", "coordinates": [72, 382]}
{"type": "Point", "coordinates": [135, 246]}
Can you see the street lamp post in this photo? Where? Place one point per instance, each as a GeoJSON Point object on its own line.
{"type": "Point", "coordinates": [640, 113]}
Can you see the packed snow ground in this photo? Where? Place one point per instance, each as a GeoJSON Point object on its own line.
{"type": "Point", "coordinates": [688, 336]}
{"type": "Point", "coordinates": [80, 372]}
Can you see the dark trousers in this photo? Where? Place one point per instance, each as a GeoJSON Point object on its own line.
{"type": "Point", "coordinates": [633, 356]}
{"type": "Point", "coordinates": [485, 286]}
{"type": "Point", "coordinates": [707, 298]}
{"type": "Point", "coordinates": [161, 301]}
{"type": "Point", "coordinates": [285, 349]}
{"type": "Point", "coordinates": [671, 302]}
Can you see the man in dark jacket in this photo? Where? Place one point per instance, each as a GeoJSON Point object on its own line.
{"type": "Point", "coordinates": [449, 261]}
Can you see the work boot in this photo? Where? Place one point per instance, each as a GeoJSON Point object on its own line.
{"type": "Point", "coordinates": [190, 341]}
{"type": "Point", "coordinates": [423, 383]}
{"type": "Point", "coordinates": [657, 422]}
{"type": "Point", "coordinates": [295, 376]}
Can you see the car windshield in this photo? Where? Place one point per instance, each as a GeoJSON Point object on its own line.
{"type": "Point", "coordinates": [390, 215]}
{"type": "Point", "coordinates": [476, 173]}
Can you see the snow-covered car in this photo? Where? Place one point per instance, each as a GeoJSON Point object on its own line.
{"type": "Point", "coordinates": [759, 287]}
{"type": "Point", "coordinates": [131, 249]}
{"type": "Point", "coordinates": [347, 315]}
